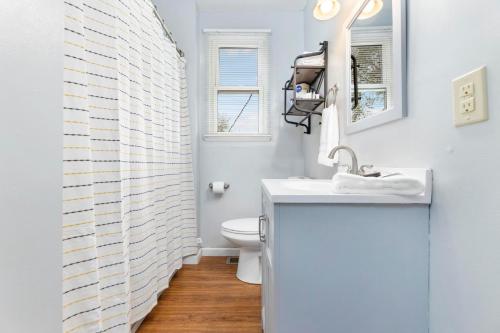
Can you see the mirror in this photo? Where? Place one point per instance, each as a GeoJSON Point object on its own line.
{"type": "Point", "coordinates": [376, 61]}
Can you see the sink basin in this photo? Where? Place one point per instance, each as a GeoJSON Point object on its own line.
{"type": "Point", "coordinates": [307, 185]}
{"type": "Point", "coordinates": [323, 191]}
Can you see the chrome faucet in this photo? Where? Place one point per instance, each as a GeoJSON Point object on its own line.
{"type": "Point", "coordinates": [354, 164]}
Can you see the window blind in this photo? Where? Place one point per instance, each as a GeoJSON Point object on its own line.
{"type": "Point", "coordinates": [372, 47]}
{"type": "Point", "coordinates": [238, 66]}
{"type": "Point", "coordinates": [238, 87]}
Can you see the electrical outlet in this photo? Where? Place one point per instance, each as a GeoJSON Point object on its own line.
{"type": "Point", "coordinates": [467, 89]}
{"type": "Point", "coordinates": [470, 98]}
{"type": "Point", "coordinates": [467, 105]}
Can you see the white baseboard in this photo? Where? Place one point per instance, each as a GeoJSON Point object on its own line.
{"type": "Point", "coordinates": [220, 252]}
{"type": "Point", "coordinates": [192, 260]}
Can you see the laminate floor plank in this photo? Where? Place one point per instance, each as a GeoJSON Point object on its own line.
{"type": "Point", "coordinates": [206, 298]}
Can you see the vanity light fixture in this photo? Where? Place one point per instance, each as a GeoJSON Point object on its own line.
{"type": "Point", "coordinates": [371, 9]}
{"type": "Point", "coordinates": [326, 9]}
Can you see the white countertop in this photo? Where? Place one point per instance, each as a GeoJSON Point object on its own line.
{"type": "Point", "coordinates": [320, 191]}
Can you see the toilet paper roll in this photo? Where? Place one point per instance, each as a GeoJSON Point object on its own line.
{"type": "Point", "coordinates": [218, 187]}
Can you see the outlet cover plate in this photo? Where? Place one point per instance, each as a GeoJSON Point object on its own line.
{"type": "Point", "coordinates": [474, 83]}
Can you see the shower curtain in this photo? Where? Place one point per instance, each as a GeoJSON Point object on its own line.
{"type": "Point", "coordinates": [129, 209]}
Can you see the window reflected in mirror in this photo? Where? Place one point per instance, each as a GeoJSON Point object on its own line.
{"type": "Point", "coordinates": [372, 63]}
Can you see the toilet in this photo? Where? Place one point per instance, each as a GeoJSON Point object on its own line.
{"type": "Point", "coordinates": [245, 234]}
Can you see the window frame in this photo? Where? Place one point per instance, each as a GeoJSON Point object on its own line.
{"type": "Point", "coordinates": [238, 39]}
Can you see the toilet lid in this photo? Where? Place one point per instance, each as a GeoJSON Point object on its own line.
{"type": "Point", "coordinates": [247, 226]}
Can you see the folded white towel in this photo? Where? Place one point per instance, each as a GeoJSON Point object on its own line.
{"type": "Point", "coordinates": [329, 136]}
{"type": "Point", "coordinates": [318, 60]}
{"type": "Point", "coordinates": [397, 184]}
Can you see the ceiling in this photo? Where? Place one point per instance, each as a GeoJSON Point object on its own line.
{"type": "Point", "coordinates": [246, 5]}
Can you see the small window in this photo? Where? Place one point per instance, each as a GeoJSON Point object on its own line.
{"type": "Point", "coordinates": [238, 93]}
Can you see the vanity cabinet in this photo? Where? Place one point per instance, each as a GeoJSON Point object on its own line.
{"type": "Point", "coordinates": [266, 232]}
{"type": "Point", "coordinates": [330, 265]}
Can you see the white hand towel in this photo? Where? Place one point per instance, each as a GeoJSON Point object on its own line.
{"type": "Point", "coordinates": [395, 185]}
{"type": "Point", "coordinates": [329, 136]}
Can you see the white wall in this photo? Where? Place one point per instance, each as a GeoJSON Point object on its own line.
{"type": "Point", "coordinates": [445, 39]}
{"type": "Point", "coordinates": [30, 191]}
{"type": "Point", "coordinates": [243, 165]}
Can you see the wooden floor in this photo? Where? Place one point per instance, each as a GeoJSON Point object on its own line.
{"type": "Point", "coordinates": [206, 298]}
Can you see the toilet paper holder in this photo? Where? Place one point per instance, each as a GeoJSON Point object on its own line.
{"type": "Point", "coordinates": [226, 186]}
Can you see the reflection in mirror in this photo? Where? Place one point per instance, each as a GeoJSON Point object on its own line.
{"type": "Point", "coordinates": [372, 61]}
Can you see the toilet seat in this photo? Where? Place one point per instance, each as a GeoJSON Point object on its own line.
{"type": "Point", "coordinates": [245, 226]}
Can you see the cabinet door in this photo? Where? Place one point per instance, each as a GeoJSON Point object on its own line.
{"type": "Point", "coordinates": [267, 246]}
{"type": "Point", "coordinates": [267, 293]}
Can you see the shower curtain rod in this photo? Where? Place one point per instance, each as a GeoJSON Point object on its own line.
{"type": "Point", "coordinates": [167, 32]}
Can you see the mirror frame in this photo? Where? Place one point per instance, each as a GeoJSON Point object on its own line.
{"type": "Point", "coordinates": [399, 107]}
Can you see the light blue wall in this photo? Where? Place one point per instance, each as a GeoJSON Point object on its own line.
{"type": "Point", "coordinates": [446, 38]}
{"type": "Point", "coordinates": [31, 135]}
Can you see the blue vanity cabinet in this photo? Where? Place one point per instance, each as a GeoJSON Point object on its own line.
{"type": "Point", "coordinates": [344, 267]}
{"type": "Point", "coordinates": [267, 246]}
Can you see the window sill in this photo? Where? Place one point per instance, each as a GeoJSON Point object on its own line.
{"type": "Point", "coordinates": [238, 138]}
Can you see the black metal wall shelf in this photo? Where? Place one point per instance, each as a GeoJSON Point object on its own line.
{"type": "Point", "coordinates": [306, 74]}
{"type": "Point", "coordinates": [307, 104]}
{"type": "Point", "coordinates": [316, 78]}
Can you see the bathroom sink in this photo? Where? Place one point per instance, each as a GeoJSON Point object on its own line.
{"type": "Point", "coordinates": [323, 190]}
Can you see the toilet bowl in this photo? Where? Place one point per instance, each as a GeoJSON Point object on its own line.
{"type": "Point", "coordinates": [245, 234]}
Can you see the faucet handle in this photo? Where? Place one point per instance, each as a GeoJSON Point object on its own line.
{"type": "Point", "coordinates": [363, 168]}
{"type": "Point", "coordinates": [368, 173]}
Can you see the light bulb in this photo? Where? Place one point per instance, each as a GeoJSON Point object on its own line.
{"type": "Point", "coordinates": [372, 8]}
{"type": "Point", "coordinates": [326, 9]}
{"type": "Point", "coordinates": [326, 6]}
{"type": "Point", "coordinates": [369, 7]}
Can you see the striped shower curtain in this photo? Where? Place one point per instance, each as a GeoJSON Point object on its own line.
{"type": "Point", "coordinates": [129, 209]}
